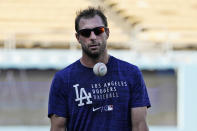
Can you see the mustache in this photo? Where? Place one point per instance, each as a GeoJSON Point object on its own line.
{"type": "Point", "coordinates": [94, 44]}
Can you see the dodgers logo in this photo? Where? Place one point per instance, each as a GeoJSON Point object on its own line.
{"type": "Point", "coordinates": [83, 95]}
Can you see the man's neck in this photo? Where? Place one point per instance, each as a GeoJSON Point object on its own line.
{"type": "Point", "coordinates": [90, 62]}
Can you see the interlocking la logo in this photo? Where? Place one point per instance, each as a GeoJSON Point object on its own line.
{"type": "Point", "coordinates": [83, 95]}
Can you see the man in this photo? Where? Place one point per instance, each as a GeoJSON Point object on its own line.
{"type": "Point", "coordinates": [82, 101]}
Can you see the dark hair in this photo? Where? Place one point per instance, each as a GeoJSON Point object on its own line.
{"type": "Point", "coordinates": [89, 13]}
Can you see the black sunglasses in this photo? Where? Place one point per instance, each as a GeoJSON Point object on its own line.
{"type": "Point", "coordinates": [97, 31]}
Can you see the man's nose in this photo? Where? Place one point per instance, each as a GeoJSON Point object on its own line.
{"type": "Point", "coordinates": [92, 35]}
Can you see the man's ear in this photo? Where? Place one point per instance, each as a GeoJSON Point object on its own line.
{"type": "Point", "coordinates": [107, 32]}
{"type": "Point", "coordinates": [77, 36]}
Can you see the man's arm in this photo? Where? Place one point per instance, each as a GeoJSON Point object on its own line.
{"type": "Point", "coordinates": [138, 119]}
{"type": "Point", "coordinates": [58, 123]}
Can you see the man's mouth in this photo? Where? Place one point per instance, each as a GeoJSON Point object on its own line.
{"type": "Point", "coordinates": [93, 46]}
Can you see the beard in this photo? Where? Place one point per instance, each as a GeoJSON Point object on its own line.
{"type": "Point", "coordinates": [94, 53]}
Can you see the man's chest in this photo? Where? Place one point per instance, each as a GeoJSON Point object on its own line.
{"type": "Point", "coordinates": [99, 95]}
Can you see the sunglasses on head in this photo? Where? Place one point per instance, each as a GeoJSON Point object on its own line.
{"type": "Point", "coordinates": [86, 32]}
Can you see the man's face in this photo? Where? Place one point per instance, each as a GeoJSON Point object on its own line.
{"type": "Point", "coordinates": [94, 45]}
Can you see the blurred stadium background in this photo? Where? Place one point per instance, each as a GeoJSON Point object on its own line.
{"type": "Point", "coordinates": [37, 39]}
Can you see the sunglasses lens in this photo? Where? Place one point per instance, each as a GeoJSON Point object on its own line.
{"type": "Point", "coordinates": [98, 30]}
{"type": "Point", "coordinates": [85, 32]}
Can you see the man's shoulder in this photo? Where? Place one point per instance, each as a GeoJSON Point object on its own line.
{"type": "Point", "coordinates": [67, 69]}
{"type": "Point", "coordinates": [124, 64]}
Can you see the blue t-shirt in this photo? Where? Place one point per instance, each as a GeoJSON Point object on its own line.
{"type": "Point", "coordinates": [93, 103]}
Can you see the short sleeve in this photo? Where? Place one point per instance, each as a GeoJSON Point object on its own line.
{"type": "Point", "coordinates": [57, 98]}
{"type": "Point", "coordinates": [139, 94]}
